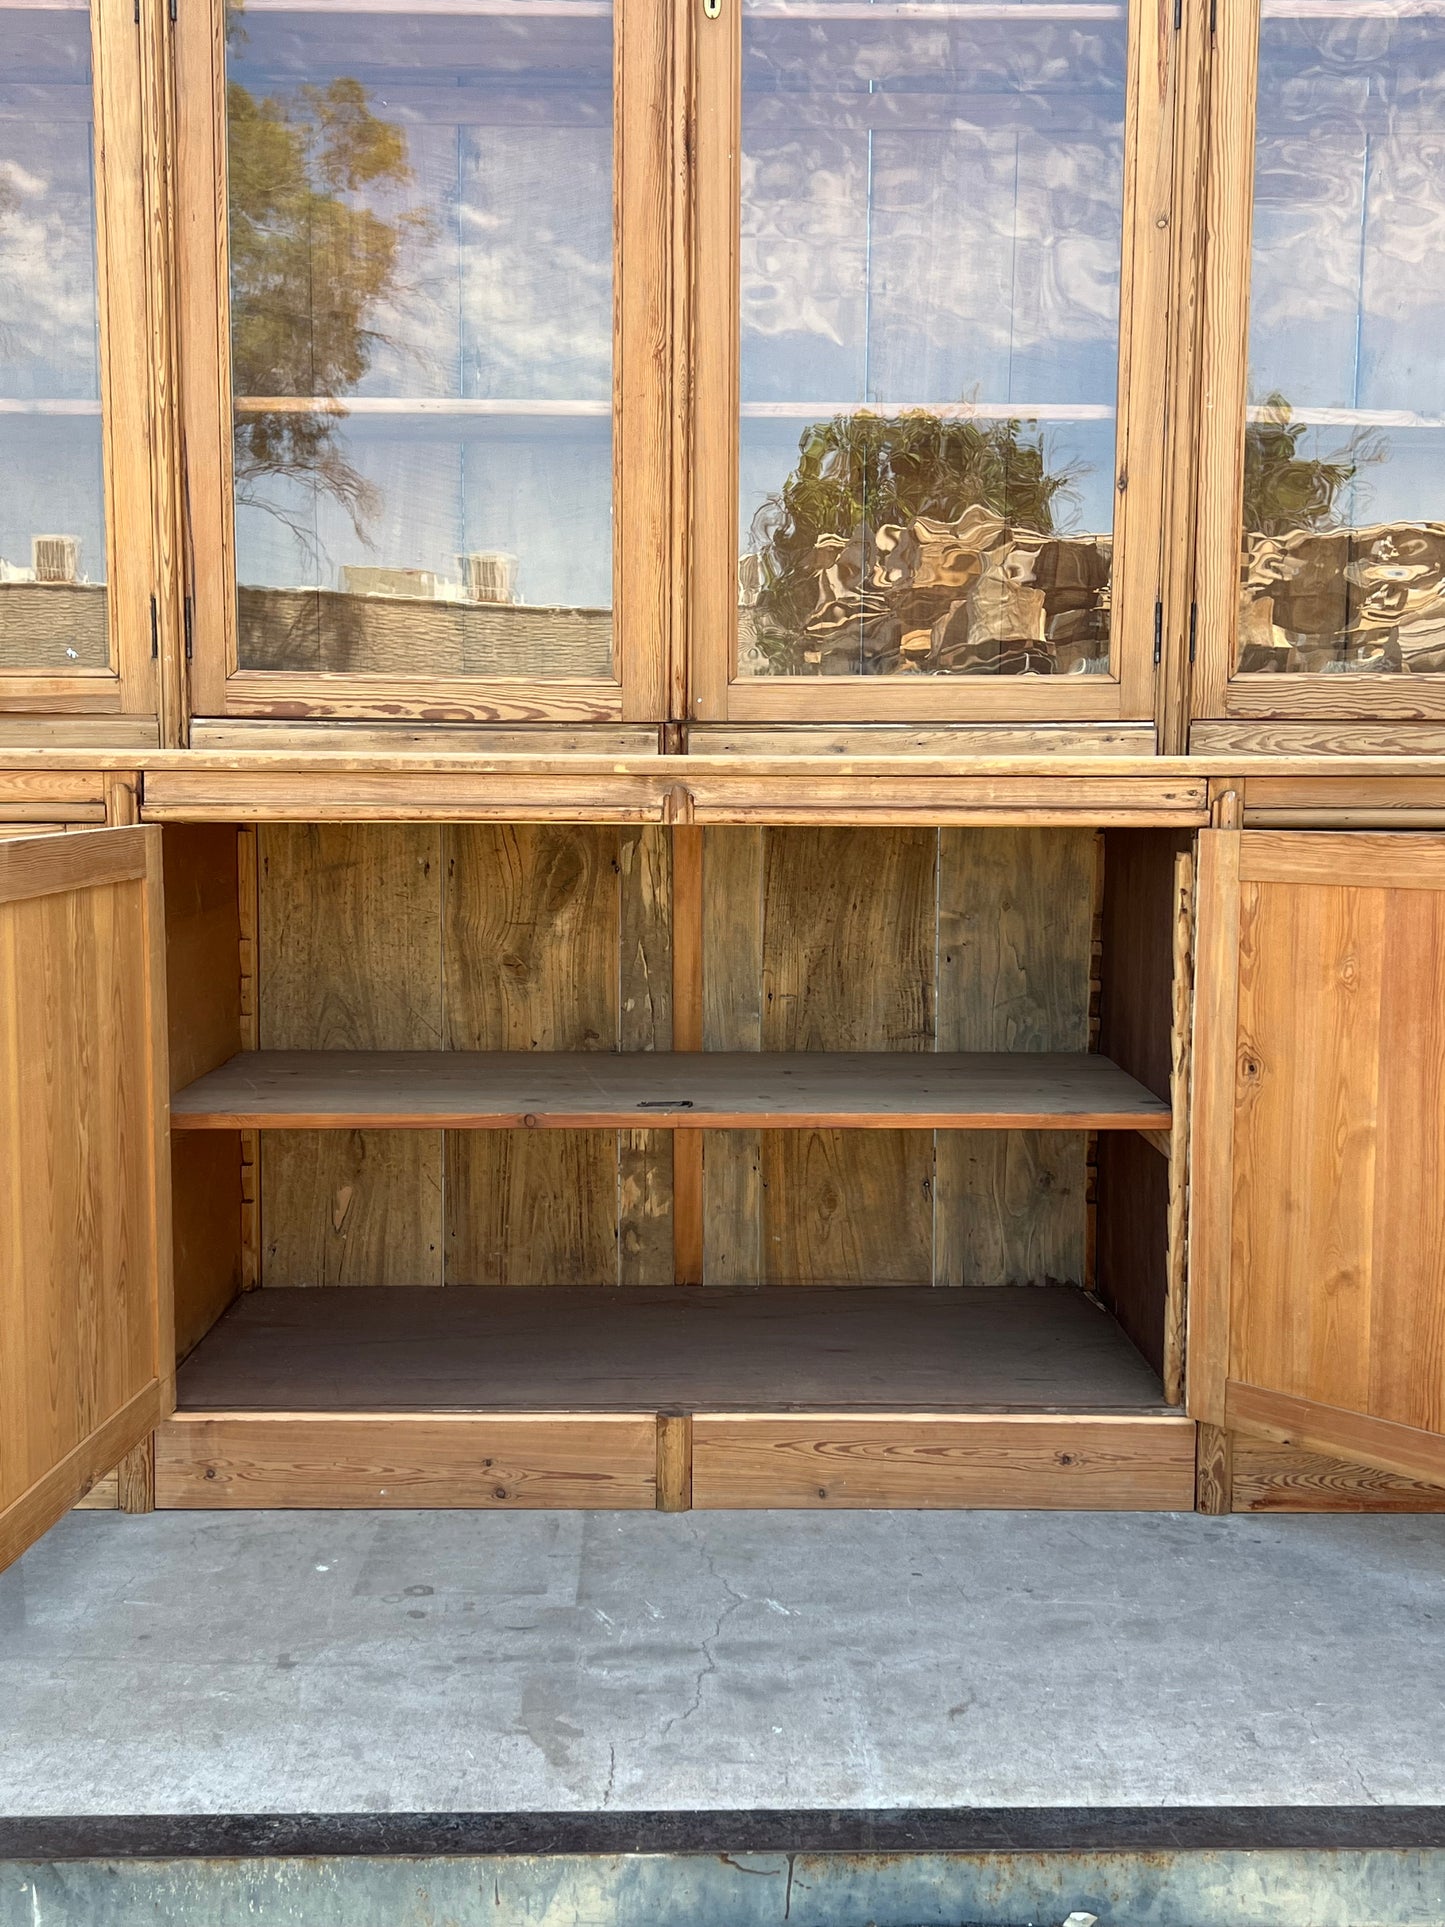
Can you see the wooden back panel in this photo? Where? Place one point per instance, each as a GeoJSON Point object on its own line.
{"type": "Point", "coordinates": [573, 937]}
{"type": "Point", "coordinates": [1319, 1277]}
{"type": "Point", "coordinates": [84, 1268]}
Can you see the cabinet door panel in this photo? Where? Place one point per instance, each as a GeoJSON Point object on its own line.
{"type": "Point", "coordinates": [1318, 1288]}
{"type": "Point", "coordinates": [920, 281]}
{"type": "Point", "coordinates": [85, 1303]}
{"type": "Point", "coordinates": [1323, 565]}
{"type": "Point", "coordinates": [406, 439]}
{"type": "Point", "coordinates": [75, 529]}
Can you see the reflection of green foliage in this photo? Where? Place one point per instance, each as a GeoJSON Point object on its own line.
{"type": "Point", "coordinates": [309, 268]}
{"type": "Point", "coordinates": [1285, 490]}
{"type": "Point", "coordinates": [860, 473]}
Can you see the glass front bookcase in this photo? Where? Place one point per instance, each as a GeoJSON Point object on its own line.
{"type": "Point", "coordinates": [75, 503]}
{"type": "Point", "coordinates": [424, 379]}
{"type": "Point", "coordinates": [931, 256]}
{"type": "Point", "coordinates": [1321, 557]}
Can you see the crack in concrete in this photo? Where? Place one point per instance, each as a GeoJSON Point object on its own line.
{"type": "Point", "coordinates": [709, 1665]}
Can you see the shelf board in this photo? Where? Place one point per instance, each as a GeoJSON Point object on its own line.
{"type": "Point", "coordinates": [586, 1090]}
{"type": "Point", "coordinates": [591, 1349]}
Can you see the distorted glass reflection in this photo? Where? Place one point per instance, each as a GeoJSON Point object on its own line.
{"type": "Point", "coordinates": [421, 297]}
{"type": "Point", "coordinates": [1343, 565]}
{"type": "Point", "coordinates": [931, 223]}
{"type": "Point", "coordinates": [52, 495]}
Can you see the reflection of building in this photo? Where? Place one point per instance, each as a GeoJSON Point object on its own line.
{"type": "Point", "coordinates": [339, 632]}
{"type": "Point", "coordinates": [488, 575]}
{"type": "Point", "coordinates": [55, 558]}
{"type": "Point", "coordinates": [972, 596]}
{"type": "Point", "coordinates": [49, 617]}
{"type": "Point", "coordinates": [1366, 600]}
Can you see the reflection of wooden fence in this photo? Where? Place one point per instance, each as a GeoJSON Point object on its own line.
{"type": "Point", "coordinates": [328, 630]}
{"type": "Point", "coordinates": [53, 625]}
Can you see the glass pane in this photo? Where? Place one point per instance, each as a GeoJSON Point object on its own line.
{"type": "Point", "coordinates": [421, 326]}
{"type": "Point", "coordinates": [1345, 433]}
{"type": "Point", "coordinates": [931, 227]}
{"type": "Point", "coordinates": [52, 500]}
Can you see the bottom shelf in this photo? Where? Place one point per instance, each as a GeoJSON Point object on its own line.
{"type": "Point", "coordinates": [671, 1398]}
{"type": "Point", "coordinates": [565, 1349]}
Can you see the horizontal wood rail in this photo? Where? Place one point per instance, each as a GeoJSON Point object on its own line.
{"type": "Point", "coordinates": [586, 1090]}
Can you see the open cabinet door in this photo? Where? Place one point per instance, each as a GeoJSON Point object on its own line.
{"type": "Point", "coordinates": [85, 1297]}
{"type": "Point", "coordinates": [1317, 1294]}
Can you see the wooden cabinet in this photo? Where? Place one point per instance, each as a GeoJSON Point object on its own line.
{"type": "Point", "coordinates": [583, 1165]}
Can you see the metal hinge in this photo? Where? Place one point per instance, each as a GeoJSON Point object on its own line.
{"type": "Point", "coordinates": [1213, 15]}
{"type": "Point", "coordinates": [1158, 632]}
{"type": "Point", "coordinates": [186, 620]}
{"type": "Point", "coordinates": [1178, 14]}
{"type": "Point", "coordinates": [1193, 627]}
{"type": "Point", "coordinates": [155, 630]}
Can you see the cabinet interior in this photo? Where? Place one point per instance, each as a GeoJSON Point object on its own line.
{"type": "Point", "coordinates": [596, 1268]}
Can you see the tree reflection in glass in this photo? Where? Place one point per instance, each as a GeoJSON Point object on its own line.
{"type": "Point", "coordinates": [421, 291]}
{"type": "Point", "coordinates": [930, 264]}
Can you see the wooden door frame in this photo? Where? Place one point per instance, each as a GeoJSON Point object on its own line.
{"type": "Point", "coordinates": [1219, 693]}
{"type": "Point", "coordinates": [1227, 860]}
{"type": "Point", "coordinates": [1145, 401]}
{"type": "Point", "coordinates": [642, 450]}
{"type": "Point", "coordinates": [123, 147]}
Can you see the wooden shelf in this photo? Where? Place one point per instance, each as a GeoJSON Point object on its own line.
{"type": "Point", "coordinates": [593, 1350]}
{"type": "Point", "coordinates": [481, 1090]}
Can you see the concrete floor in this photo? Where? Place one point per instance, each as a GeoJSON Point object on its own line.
{"type": "Point", "coordinates": [330, 1662]}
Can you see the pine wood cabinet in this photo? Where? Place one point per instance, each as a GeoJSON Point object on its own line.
{"type": "Point", "coordinates": [461, 1163]}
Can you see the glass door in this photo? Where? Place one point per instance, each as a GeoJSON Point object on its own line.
{"type": "Point", "coordinates": [931, 248]}
{"type": "Point", "coordinates": [1321, 569]}
{"type": "Point", "coordinates": [75, 520]}
{"type": "Point", "coordinates": [420, 396]}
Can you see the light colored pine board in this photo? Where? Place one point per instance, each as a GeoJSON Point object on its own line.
{"type": "Point", "coordinates": [1010, 1207]}
{"type": "Point", "coordinates": [574, 1349]}
{"type": "Point", "coordinates": [351, 1207]}
{"type": "Point", "coordinates": [1015, 935]}
{"type": "Point", "coordinates": [674, 1462]}
{"type": "Point", "coordinates": [349, 948]}
{"type": "Point", "coordinates": [1214, 1471]}
{"type": "Point", "coordinates": [1409, 1450]}
{"type": "Point", "coordinates": [846, 1205]}
{"type": "Point", "coordinates": [532, 934]}
{"type": "Point", "coordinates": [536, 1208]}
{"type": "Point", "coordinates": [732, 973]}
{"type": "Point", "coordinates": [572, 1090]}
{"type": "Point", "coordinates": [103, 1496]}
{"type": "Point", "coordinates": [556, 940]}
{"type": "Point", "coordinates": [350, 937]}
{"type": "Point", "coordinates": [837, 1207]}
{"type": "Point", "coordinates": [511, 1462]}
{"type": "Point", "coordinates": [1269, 1477]}
{"type": "Point", "coordinates": [925, 1461]}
